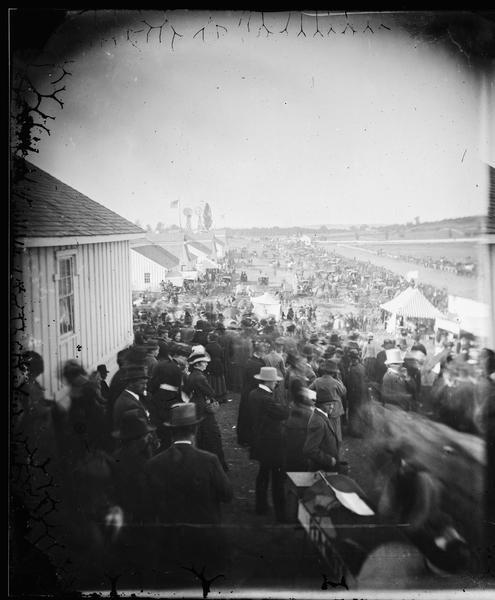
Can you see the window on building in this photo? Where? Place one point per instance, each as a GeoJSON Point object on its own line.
{"type": "Point", "coordinates": [66, 294]}
{"type": "Point", "coordinates": [147, 278]}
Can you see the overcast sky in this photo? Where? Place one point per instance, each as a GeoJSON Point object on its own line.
{"type": "Point", "coordinates": [269, 130]}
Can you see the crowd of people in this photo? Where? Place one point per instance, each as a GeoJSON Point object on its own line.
{"type": "Point", "coordinates": [146, 448]}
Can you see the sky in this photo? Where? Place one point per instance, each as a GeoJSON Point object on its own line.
{"type": "Point", "coordinates": [279, 129]}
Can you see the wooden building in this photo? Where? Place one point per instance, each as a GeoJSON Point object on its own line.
{"type": "Point", "coordinates": [150, 264]}
{"type": "Point", "coordinates": [71, 264]}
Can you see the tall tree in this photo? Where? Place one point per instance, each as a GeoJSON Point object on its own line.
{"type": "Point", "coordinates": [207, 218]}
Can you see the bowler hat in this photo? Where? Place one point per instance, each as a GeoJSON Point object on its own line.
{"type": "Point", "coordinates": [133, 425]}
{"type": "Point", "coordinates": [268, 374]}
{"type": "Point", "coordinates": [102, 369]}
{"type": "Point", "coordinates": [134, 373]}
{"type": "Point", "coordinates": [183, 414]}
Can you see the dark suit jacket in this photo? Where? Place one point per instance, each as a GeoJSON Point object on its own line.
{"type": "Point", "coordinates": [249, 383]}
{"type": "Point", "coordinates": [124, 403]}
{"type": "Point", "coordinates": [267, 428]}
{"type": "Point", "coordinates": [186, 485]}
{"type": "Point", "coordinates": [322, 446]}
{"type": "Point", "coordinates": [296, 430]}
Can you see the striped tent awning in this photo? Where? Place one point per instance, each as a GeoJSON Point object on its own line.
{"type": "Point", "coordinates": [411, 303]}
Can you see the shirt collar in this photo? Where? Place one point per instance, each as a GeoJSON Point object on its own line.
{"type": "Point", "coordinates": [183, 442]}
{"type": "Point", "coordinates": [133, 394]}
{"type": "Point", "coordinates": [264, 387]}
{"type": "Point", "coordinates": [322, 411]}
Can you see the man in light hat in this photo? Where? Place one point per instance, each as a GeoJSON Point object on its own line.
{"type": "Point", "coordinates": [268, 441]}
{"type": "Point", "coordinates": [397, 386]}
{"type": "Point", "coordinates": [186, 486]}
{"type": "Point", "coordinates": [249, 383]}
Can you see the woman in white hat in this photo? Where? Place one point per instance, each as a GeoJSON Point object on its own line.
{"type": "Point", "coordinates": [203, 395]}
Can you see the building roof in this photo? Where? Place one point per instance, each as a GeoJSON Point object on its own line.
{"type": "Point", "coordinates": [411, 303]}
{"type": "Point", "coordinates": [158, 254]}
{"type": "Point", "coordinates": [43, 206]}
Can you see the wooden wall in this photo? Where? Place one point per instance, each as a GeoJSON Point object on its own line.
{"type": "Point", "coordinates": [103, 308]}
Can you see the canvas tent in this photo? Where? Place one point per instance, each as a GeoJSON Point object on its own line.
{"type": "Point", "coordinates": [410, 304]}
{"type": "Point", "coordinates": [175, 278]}
{"type": "Point", "coordinates": [266, 306]}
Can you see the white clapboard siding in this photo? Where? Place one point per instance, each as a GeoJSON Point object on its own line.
{"type": "Point", "coordinates": [103, 308]}
{"type": "Point", "coordinates": [139, 266]}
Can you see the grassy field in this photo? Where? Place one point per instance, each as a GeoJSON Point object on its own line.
{"type": "Point", "coordinates": [455, 251]}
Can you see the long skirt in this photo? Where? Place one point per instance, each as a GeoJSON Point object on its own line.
{"type": "Point", "coordinates": [217, 382]}
{"type": "Point", "coordinates": [209, 438]}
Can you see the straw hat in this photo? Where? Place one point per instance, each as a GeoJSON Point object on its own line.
{"type": "Point", "coordinates": [268, 374]}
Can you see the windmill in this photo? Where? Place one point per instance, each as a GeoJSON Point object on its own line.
{"type": "Point", "coordinates": [187, 212]}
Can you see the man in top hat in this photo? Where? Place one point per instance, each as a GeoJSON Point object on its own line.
{"type": "Point", "coordinates": [267, 441]}
{"type": "Point", "coordinates": [397, 386]}
{"type": "Point", "coordinates": [186, 486]}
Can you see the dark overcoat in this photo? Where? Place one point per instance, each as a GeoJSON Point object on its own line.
{"type": "Point", "coordinates": [296, 429]}
{"type": "Point", "coordinates": [249, 383]}
{"type": "Point", "coordinates": [322, 445]}
{"type": "Point", "coordinates": [268, 432]}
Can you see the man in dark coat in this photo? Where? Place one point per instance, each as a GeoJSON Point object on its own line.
{"type": "Point", "coordinates": [136, 379]}
{"type": "Point", "coordinates": [322, 444]}
{"type": "Point", "coordinates": [186, 486]}
{"type": "Point", "coordinates": [268, 442]}
{"type": "Point", "coordinates": [296, 427]}
{"type": "Point", "coordinates": [357, 395]}
{"type": "Point", "coordinates": [249, 383]}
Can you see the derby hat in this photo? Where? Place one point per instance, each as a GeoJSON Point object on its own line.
{"type": "Point", "coordinates": [394, 357]}
{"type": "Point", "coordinates": [134, 373]}
{"type": "Point", "coordinates": [133, 425]}
{"type": "Point", "coordinates": [102, 369]}
{"type": "Point", "coordinates": [183, 414]}
{"type": "Point", "coordinates": [198, 356]}
{"type": "Point", "coordinates": [268, 374]}
{"type": "Point", "coordinates": [330, 366]}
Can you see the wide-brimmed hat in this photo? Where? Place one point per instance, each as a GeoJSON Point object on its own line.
{"type": "Point", "coordinates": [134, 373]}
{"type": "Point", "coordinates": [394, 357]}
{"type": "Point", "coordinates": [133, 425]}
{"type": "Point", "coordinates": [268, 374]}
{"type": "Point", "coordinates": [198, 356]}
{"type": "Point", "coordinates": [183, 414]}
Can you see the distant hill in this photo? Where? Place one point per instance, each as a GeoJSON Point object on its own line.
{"type": "Point", "coordinates": [461, 227]}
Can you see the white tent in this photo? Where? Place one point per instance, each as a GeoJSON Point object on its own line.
{"type": "Point", "coordinates": [175, 278]}
{"type": "Point", "coordinates": [266, 306]}
{"type": "Point", "coordinates": [411, 303]}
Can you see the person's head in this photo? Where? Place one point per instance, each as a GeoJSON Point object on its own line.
{"type": "Point", "coordinates": [394, 360]}
{"type": "Point", "coordinates": [307, 352]}
{"type": "Point", "coordinates": [135, 378]}
{"type": "Point", "coordinates": [212, 337]}
{"type": "Point", "coordinates": [177, 335]}
{"type": "Point", "coordinates": [259, 347]}
{"type": "Point", "coordinates": [198, 359]}
{"type": "Point", "coordinates": [32, 364]}
{"type": "Point", "coordinates": [72, 371]}
{"type": "Point", "coordinates": [134, 430]}
{"type": "Point", "coordinates": [388, 344]}
{"type": "Point", "coordinates": [268, 376]}
{"type": "Point", "coordinates": [301, 394]}
{"type": "Point", "coordinates": [183, 421]}
{"type": "Point", "coordinates": [354, 355]}
{"type": "Point", "coordinates": [103, 371]}
{"type": "Point", "coordinates": [329, 367]}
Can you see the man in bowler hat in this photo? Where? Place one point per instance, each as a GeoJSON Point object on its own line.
{"type": "Point", "coordinates": [186, 487]}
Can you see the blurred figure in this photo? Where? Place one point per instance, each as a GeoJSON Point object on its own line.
{"type": "Point", "coordinates": [215, 371]}
{"type": "Point", "coordinates": [165, 390]}
{"type": "Point", "coordinates": [103, 372]}
{"type": "Point", "coordinates": [397, 387]}
{"type": "Point", "coordinates": [369, 353]}
{"type": "Point", "coordinates": [330, 394]}
{"type": "Point", "coordinates": [357, 396]}
{"type": "Point", "coordinates": [296, 427]}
